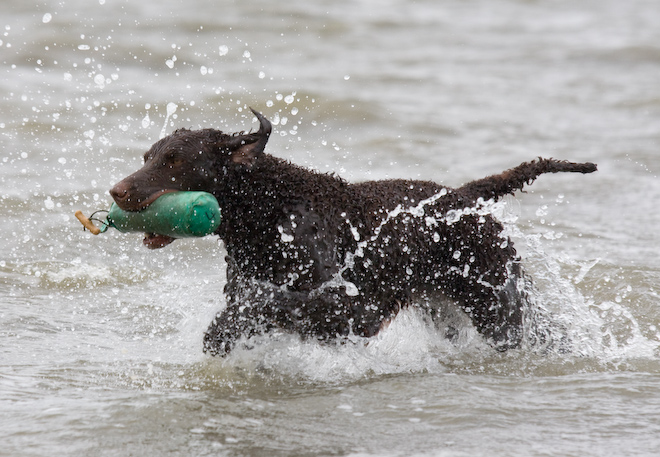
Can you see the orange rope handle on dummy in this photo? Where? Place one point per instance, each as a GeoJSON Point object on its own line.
{"type": "Point", "coordinates": [89, 225]}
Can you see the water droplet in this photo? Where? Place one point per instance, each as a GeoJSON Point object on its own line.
{"type": "Point", "coordinates": [171, 108]}
{"type": "Point", "coordinates": [286, 238]}
{"type": "Point", "coordinates": [351, 289]}
{"type": "Point", "coordinates": [99, 80]}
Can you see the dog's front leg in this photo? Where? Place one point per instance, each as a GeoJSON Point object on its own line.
{"type": "Point", "coordinates": [322, 315]}
{"type": "Point", "coordinates": [237, 321]}
{"type": "Point", "coordinates": [262, 309]}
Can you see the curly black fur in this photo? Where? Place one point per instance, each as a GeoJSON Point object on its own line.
{"type": "Point", "coordinates": [313, 254]}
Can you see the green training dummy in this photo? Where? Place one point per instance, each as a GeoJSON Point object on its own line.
{"type": "Point", "coordinates": [173, 215]}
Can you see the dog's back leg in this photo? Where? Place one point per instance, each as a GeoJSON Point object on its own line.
{"type": "Point", "coordinates": [479, 270]}
{"type": "Point", "coordinates": [497, 312]}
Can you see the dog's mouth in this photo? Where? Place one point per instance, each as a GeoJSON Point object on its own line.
{"type": "Point", "coordinates": [151, 240]}
{"type": "Point", "coordinates": [155, 241]}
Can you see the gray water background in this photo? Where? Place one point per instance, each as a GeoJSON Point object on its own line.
{"type": "Point", "coordinates": [100, 339]}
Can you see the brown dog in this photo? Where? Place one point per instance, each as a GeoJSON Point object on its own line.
{"type": "Point", "coordinates": [312, 254]}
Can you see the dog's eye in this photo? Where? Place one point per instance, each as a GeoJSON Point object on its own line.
{"type": "Point", "coordinates": [173, 159]}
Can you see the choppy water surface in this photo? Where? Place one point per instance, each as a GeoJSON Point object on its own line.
{"type": "Point", "coordinates": [100, 339]}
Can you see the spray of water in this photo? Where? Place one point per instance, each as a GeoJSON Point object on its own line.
{"type": "Point", "coordinates": [171, 109]}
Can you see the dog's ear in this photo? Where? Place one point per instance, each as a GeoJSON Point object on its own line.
{"type": "Point", "coordinates": [246, 149]}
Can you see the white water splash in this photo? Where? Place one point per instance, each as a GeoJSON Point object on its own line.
{"type": "Point", "coordinates": [604, 331]}
{"type": "Point", "coordinates": [410, 344]}
{"type": "Point", "coordinates": [171, 109]}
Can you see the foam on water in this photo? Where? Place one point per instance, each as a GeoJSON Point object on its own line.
{"type": "Point", "coordinates": [410, 344]}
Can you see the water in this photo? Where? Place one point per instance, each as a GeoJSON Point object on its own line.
{"type": "Point", "coordinates": [100, 340]}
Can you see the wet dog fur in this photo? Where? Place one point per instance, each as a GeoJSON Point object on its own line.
{"type": "Point", "coordinates": [312, 254]}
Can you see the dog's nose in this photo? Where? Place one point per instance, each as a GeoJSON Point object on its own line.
{"type": "Point", "coordinates": [120, 191]}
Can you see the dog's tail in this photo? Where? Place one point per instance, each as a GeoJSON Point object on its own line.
{"type": "Point", "coordinates": [509, 181]}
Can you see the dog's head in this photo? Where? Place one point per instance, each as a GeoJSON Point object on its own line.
{"type": "Point", "coordinates": [189, 160]}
